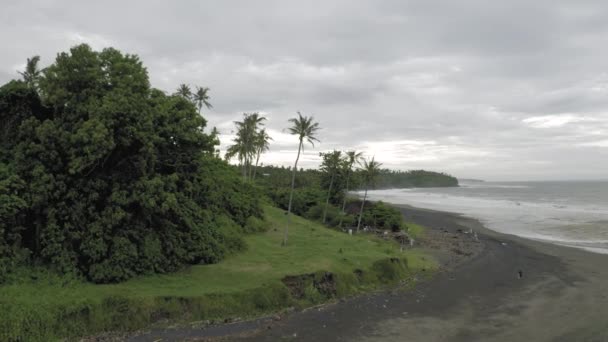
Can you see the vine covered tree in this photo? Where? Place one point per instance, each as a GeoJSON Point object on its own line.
{"type": "Point", "coordinates": [306, 129]}
{"type": "Point", "coordinates": [108, 177]}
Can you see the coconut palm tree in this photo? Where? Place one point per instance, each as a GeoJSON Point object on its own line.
{"type": "Point", "coordinates": [215, 136]}
{"type": "Point", "coordinates": [369, 169]}
{"type": "Point", "coordinates": [31, 74]}
{"type": "Point", "coordinates": [331, 164]}
{"type": "Point", "coordinates": [245, 141]}
{"type": "Point", "coordinates": [306, 129]}
{"type": "Point", "coordinates": [184, 91]}
{"type": "Point", "coordinates": [352, 158]}
{"type": "Point", "coordinates": [253, 122]}
{"type": "Point", "coordinates": [200, 98]}
{"type": "Point", "coordinates": [262, 144]}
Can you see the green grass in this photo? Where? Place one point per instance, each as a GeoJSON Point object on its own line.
{"type": "Point", "coordinates": [414, 230]}
{"type": "Point", "coordinates": [245, 284]}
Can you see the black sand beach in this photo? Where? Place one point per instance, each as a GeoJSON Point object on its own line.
{"type": "Point", "coordinates": [502, 288]}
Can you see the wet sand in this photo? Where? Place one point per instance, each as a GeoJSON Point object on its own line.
{"type": "Point", "coordinates": [561, 294]}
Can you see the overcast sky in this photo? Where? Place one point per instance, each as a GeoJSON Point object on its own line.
{"type": "Point", "coordinates": [498, 90]}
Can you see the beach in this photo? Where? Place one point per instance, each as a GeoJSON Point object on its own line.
{"type": "Point", "coordinates": [490, 287]}
{"type": "Point", "coordinates": [561, 295]}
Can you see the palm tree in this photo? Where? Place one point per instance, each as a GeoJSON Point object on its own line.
{"type": "Point", "coordinates": [238, 150]}
{"type": "Point", "coordinates": [352, 158]}
{"type": "Point", "coordinates": [370, 169]}
{"type": "Point", "coordinates": [245, 146]}
{"type": "Point", "coordinates": [262, 144]}
{"type": "Point", "coordinates": [215, 136]}
{"type": "Point", "coordinates": [306, 129]}
{"type": "Point", "coordinates": [200, 98]}
{"type": "Point", "coordinates": [331, 165]}
{"type": "Point", "coordinates": [31, 74]}
{"type": "Point", "coordinates": [252, 123]}
{"type": "Point", "coordinates": [184, 91]}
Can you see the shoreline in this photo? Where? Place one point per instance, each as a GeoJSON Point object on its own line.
{"type": "Point", "coordinates": [560, 297]}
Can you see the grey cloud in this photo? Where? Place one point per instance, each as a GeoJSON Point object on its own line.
{"type": "Point", "coordinates": [377, 75]}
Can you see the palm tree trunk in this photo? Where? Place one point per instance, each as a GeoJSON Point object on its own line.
{"type": "Point", "coordinates": [344, 201]}
{"type": "Point", "coordinates": [331, 183]}
{"type": "Point", "coordinates": [250, 170]}
{"type": "Point", "coordinates": [293, 184]}
{"type": "Point", "coordinates": [362, 205]}
{"type": "Point", "coordinates": [244, 165]}
{"type": "Point", "coordinates": [257, 159]}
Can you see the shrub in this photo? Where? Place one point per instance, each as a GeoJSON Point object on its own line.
{"type": "Point", "coordinates": [333, 215]}
{"type": "Point", "coordinates": [383, 216]}
{"type": "Point", "coordinates": [256, 225]}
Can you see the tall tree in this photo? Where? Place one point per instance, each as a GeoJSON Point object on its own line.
{"type": "Point", "coordinates": [201, 98]}
{"type": "Point", "coordinates": [184, 91]}
{"type": "Point", "coordinates": [215, 135]}
{"type": "Point", "coordinates": [244, 146]}
{"type": "Point", "coordinates": [109, 177]}
{"type": "Point", "coordinates": [352, 158]}
{"type": "Point", "coordinates": [31, 74]}
{"type": "Point", "coordinates": [306, 129]}
{"type": "Point", "coordinates": [262, 144]}
{"type": "Point", "coordinates": [369, 169]}
{"type": "Point", "coordinates": [331, 165]}
{"type": "Point", "coordinates": [252, 125]}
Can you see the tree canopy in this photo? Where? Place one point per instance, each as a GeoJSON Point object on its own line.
{"type": "Point", "coordinates": [103, 175]}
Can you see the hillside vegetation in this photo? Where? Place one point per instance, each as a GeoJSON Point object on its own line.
{"type": "Point", "coordinates": [117, 211]}
{"type": "Point", "coordinates": [43, 307]}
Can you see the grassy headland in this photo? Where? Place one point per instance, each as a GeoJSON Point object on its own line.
{"type": "Point", "coordinates": [113, 196]}
{"type": "Point", "coordinates": [323, 263]}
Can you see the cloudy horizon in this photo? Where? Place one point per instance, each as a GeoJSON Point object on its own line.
{"type": "Point", "coordinates": [477, 89]}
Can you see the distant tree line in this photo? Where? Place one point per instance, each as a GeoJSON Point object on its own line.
{"type": "Point", "coordinates": [387, 179]}
{"type": "Point", "coordinates": [322, 194]}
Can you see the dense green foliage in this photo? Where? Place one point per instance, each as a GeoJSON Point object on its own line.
{"type": "Point", "coordinates": [276, 184]}
{"type": "Point", "coordinates": [312, 185]}
{"type": "Point", "coordinates": [249, 283]}
{"type": "Point", "coordinates": [413, 179]}
{"type": "Point", "coordinates": [382, 216]}
{"type": "Point", "coordinates": [104, 176]}
{"type": "Point", "coordinates": [310, 199]}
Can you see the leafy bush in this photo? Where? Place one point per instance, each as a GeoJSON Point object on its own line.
{"type": "Point", "coordinates": [255, 225]}
{"type": "Point", "coordinates": [303, 198]}
{"type": "Point", "coordinates": [382, 216]}
{"type": "Point", "coordinates": [333, 215]}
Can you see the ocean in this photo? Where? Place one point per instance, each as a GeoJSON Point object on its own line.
{"type": "Point", "coordinates": [569, 213]}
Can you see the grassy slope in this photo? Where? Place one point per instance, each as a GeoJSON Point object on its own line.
{"type": "Point", "coordinates": [311, 248]}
